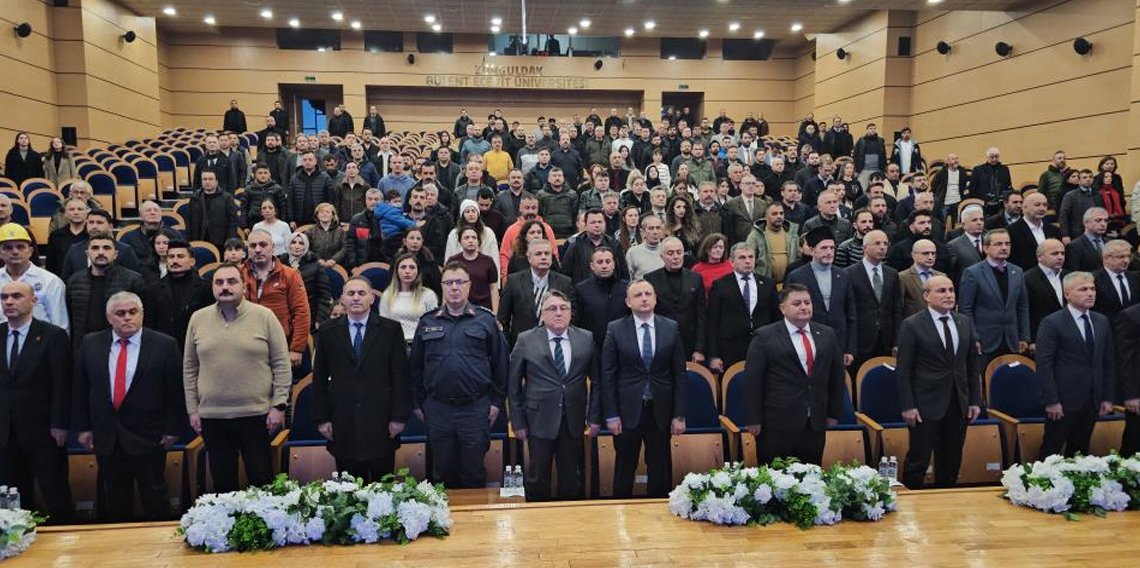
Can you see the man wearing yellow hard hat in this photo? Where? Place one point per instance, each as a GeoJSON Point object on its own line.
{"type": "Point", "coordinates": [16, 250]}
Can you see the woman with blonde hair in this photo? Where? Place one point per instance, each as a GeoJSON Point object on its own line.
{"type": "Point", "coordinates": [326, 236]}
{"type": "Point", "coordinates": [407, 299]}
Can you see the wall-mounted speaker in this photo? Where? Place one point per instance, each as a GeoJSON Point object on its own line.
{"type": "Point", "coordinates": [841, 53]}
{"type": "Point", "coordinates": [411, 59]}
{"type": "Point", "coordinates": [130, 36]}
{"type": "Point", "coordinates": [904, 46]}
{"type": "Point", "coordinates": [23, 30]}
{"type": "Point", "coordinates": [1003, 49]}
{"type": "Point", "coordinates": [943, 47]}
{"type": "Point", "coordinates": [598, 65]}
{"type": "Point", "coordinates": [1082, 46]}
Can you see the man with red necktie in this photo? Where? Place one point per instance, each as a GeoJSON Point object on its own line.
{"type": "Point", "coordinates": [794, 382]}
{"type": "Point", "coordinates": [130, 407]}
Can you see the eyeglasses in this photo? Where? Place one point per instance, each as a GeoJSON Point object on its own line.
{"type": "Point", "coordinates": [454, 283]}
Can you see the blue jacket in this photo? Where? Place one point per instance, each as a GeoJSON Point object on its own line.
{"type": "Point", "coordinates": [392, 219]}
{"type": "Point", "coordinates": [459, 356]}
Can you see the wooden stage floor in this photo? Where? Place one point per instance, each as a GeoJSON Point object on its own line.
{"type": "Point", "coordinates": [952, 528]}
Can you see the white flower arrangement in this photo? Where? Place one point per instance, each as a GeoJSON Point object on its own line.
{"type": "Point", "coordinates": [17, 531]}
{"type": "Point", "coordinates": [1070, 486]}
{"type": "Point", "coordinates": [341, 510]}
{"type": "Point", "coordinates": [801, 494]}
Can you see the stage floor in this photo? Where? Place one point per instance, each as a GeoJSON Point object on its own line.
{"type": "Point", "coordinates": [952, 528]}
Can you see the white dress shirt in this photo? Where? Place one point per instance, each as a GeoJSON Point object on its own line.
{"type": "Point", "coordinates": [352, 328]}
{"type": "Point", "coordinates": [638, 322]}
{"type": "Point", "coordinates": [798, 343]}
{"type": "Point", "coordinates": [134, 343]}
{"type": "Point", "coordinates": [1077, 315]}
{"type": "Point", "coordinates": [871, 268]}
{"type": "Point", "coordinates": [937, 317]}
{"type": "Point", "coordinates": [566, 352]}
{"type": "Point", "coordinates": [1117, 283]}
{"type": "Point", "coordinates": [22, 337]}
{"type": "Point", "coordinates": [1037, 230]}
{"type": "Point", "coordinates": [1054, 279]}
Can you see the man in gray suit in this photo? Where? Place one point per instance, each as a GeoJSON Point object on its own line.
{"type": "Point", "coordinates": [549, 408]}
{"type": "Point", "coordinates": [967, 248]}
{"type": "Point", "coordinates": [993, 296]}
{"type": "Point", "coordinates": [744, 210]}
{"type": "Point", "coordinates": [940, 388]}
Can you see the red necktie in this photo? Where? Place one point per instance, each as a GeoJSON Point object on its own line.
{"type": "Point", "coordinates": [807, 351]}
{"type": "Point", "coordinates": [120, 375]}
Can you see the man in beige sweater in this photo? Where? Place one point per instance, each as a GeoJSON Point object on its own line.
{"type": "Point", "coordinates": [237, 376]}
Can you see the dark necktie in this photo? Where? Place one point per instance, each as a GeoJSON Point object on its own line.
{"type": "Point", "coordinates": [647, 358]}
{"type": "Point", "coordinates": [978, 246]}
{"type": "Point", "coordinates": [809, 356]}
{"type": "Point", "coordinates": [358, 340]}
{"type": "Point", "coordinates": [1125, 300]}
{"type": "Point", "coordinates": [747, 292]}
{"type": "Point", "coordinates": [15, 352]}
{"type": "Point", "coordinates": [559, 356]}
{"type": "Point", "coordinates": [1090, 341]}
{"type": "Point", "coordinates": [948, 335]}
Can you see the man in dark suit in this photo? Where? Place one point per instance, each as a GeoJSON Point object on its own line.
{"type": "Point", "coordinates": [940, 387]}
{"type": "Point", "coordinates": [1011, 211]}
{"type": "Point", "coordinates": [1076, 367]}
{"type": "Point", "coordinates": [878, 300]}
{"type": "Point", "coordinates": [175, 297]}
{"type": "Point", "coordinates": [601, 297]}
{"type": "Point", "coordinates": [1126, 332]}
{"type": "Point", "coordinates": [681, 297]}
{"type": "Point", "coordinates": [833, 298]}
{"type": "Point", "coordinates": [361, 385]}
{"type": "Point", "coordinates": [35, 404]}
{"type": "Point", "coordinates": [794, 382]}
{"type": "Point", "coordinates": [1030, 230]}
{"type": "Point", "coordinates": [732, 315]}
{"type": "Point", "coordinates": [519, 306]}
{"type": "Point", "coordinates": [133, 416]}
{"type": "Point", "coordinates": [550, 402]}
{"type": "Point", "coordinates": [993, 296]}
{"type": "Point", "coordinates": [1116, 288]}
{"type": "Point", "coordinates": [1084, 252]}
{"type": "Point", "coordinates": [967, 248]}
{"type": "Point", "coordinates": [1043, 285]}
{"type": "Point", "coordinates": [643, 373]}
{"type": "Point", "coordinates": [919, 226]}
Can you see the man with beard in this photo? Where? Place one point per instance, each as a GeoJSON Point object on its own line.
{"type": "Point", "coordinates": [213, 213]}
{"type": "Point", "coordinates": [850, 251]}
{"type": "Point", "coordinates": [601, 297]}
{"type": "Point", "coordinates": [870, 154]}
{"type": "Point", "coordinates": [919, 224]}
{"type": "Point", "coordinates": [832, 294]}
{"type": "Point", "coordinates": [273, 284]}
{"type": "Point", "coordinates": [172, 300]}
{"type": "Point", "coordinates": [88, 290]}
{"type": "Point", "coordinates": [795, 210]}
{"type": "Point", "coordinates": [578, 262]}
{"type": "Point", "coordinates": [775, 243]}
{"type": "Point", "coordinates": [430, 216]}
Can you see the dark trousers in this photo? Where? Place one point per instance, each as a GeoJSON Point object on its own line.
{"type": "Point", "coordinates": [733, 351]}
{"type": "Point", "coordinates": [567, 450]}
{"type": "Point", "coordinates": [370, 470]}
{"type": "Point", "coordinates": [24, 466]}
{"type": "Point", "coordinates": [458, 437]}
{"type": "Point", "coordinates": [944, 437]}
{"type": "Point", "coordinates": [805, 444]}
{"type": "Point", "coordinates": [879, 349]}
{"type": "Point", "coordinates": [1130, 444]}
{"type": "Point", "coordinates": [1070, 434]}
{"type": "Point", "coordinates": [658, 456]}
{"type": "Point", "coordinates": [118, 474]}
{"type": "Point", "coordinates": [226, 438]}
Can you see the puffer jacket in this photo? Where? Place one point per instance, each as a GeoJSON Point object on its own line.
{"type": "Point", "coordinates": [306, 191]}
{"type": "Point", "coordinates": [559, 210]}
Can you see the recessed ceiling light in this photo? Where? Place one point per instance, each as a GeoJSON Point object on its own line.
{"type": "Point", "coordinates": [703, 33]}
{"type": "Point", "coordinates": [355, 24]}
{"type": "Point", "coordinates": [572, 31]}
{"type": "Point", "coordinates": [650, 24]}
{"type": "Point", "coordinates": [170, 11]}
{"type": "Point", "coordinates": [585, 23]}
{"type": "Point", "coordinates": [734, 26]}
{"type": "Point", "coordinates": [844, 1]}
{"type": "Point", "coordinates": [797, 27]}
{"type": "Point", "coordinates": [496, 21]}
{"type": "Point", "coordinates": [436, 27]}
{"type": "Point", "coordinates": [495, 29]}
{"type": "Point", "coordinates": [209, 20]}
{"type": "Point", "coordinates": [294, 23]}
{"type": "Point", "coordinates": [758, 34]}
{"type": "Point", "coordinates": [338, 16]}
{"type": "Point", "coordinates": [672, 58]}
{"type": "Point", "coordinates": [492, 53]}
{"type": "Point", "coordinates": [267, 13]}
{"type": "Point", "coordinates": [629, 32]}
{"type": "Point", "coordinates": [430, 19]}
{"type": "Point", "coordinates": [934, 1]}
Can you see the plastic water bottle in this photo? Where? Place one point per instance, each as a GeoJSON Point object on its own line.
{"type": "Point", "coordinates": [14, 498]}
{"type": "Point", "coordinates": [508, 478]}
{"type": "Point", "coordinates": [519, 486]}
{"type": "Point", "coordinates": [4, 497]}
{"type": "Point", "coordinates": [894, 468]}
{"type": "Point", "coordinates": [884, 465]}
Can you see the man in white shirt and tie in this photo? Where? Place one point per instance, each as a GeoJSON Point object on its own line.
{"type": "Point", "coordinates": [130, 408]}
{"type": "Point", "coordinates": [788, 419]}
{"type": "Point", "coordinates": [1043, 282]}
{"type": "Point", "coordinates": [1116, 286]}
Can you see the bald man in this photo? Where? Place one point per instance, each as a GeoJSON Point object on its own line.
{"type": "Point", "coordinates": [940, 388]}
{"type": "Point", "coordinates": [1030, 230]}
{"type": "Point", "coordinates": [878, 300]}
{"type": "Point", "coordinates": [912, 280]}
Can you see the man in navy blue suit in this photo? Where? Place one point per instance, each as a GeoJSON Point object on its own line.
{"type": "Point", "coordinates": [992, 294]}
{"type": "Point", "coordinates": [1075, 369]}
{"type": "Point", "coordinates": [643, 372]}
